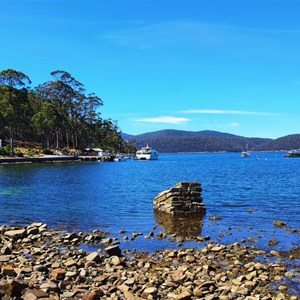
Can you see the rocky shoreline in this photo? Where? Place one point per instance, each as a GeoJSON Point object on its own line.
{"type": "Point", "coordinates": [38, 262]}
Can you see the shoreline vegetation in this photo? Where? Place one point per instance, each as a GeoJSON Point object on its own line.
{"type": "Point", "coordinates": [38, 262]}
{"type": "Point", "coordinates": [58, 114]}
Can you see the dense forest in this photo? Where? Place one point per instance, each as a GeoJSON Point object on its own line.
{"type": "Point", "coordinates": [175, 141]}
{"type": "Point", "coordinates": [57, 114]}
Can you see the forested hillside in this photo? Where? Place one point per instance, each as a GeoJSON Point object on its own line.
{"type": "Point", "coordinates": [57, 114]}
{"type": "Point", "coordinates": [174, 141]}
{"type": "Point", "coordinates": [288, 142]}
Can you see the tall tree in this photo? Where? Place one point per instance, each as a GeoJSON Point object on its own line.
{"type": "Point", "coordinates": [74, 108]}
{"type": "Point", "coordinates": [13, 100]}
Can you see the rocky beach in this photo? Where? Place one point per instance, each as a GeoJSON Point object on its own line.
{"type": "Point", "coordinates": [38, 262]}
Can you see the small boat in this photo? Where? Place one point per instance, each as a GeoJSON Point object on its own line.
{"type": "Point", "coordinates": [245, 153]}
{"type": "Point", "coordinates": [146, 153]}
{"type": "Point", "coordinates": [293, 153]}
{"type": "Point", "coordinates": [120, 158]}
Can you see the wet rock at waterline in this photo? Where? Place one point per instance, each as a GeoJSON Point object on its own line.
{"type": "Point", "coordinates": [44, 263]}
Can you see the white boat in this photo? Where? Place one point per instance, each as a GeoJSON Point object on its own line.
{"type": "Point", "coordinates": [245, 154]}
{"type": "Point", "coordinates": [120, 158]}
{"type": "Point", "coordinates": [146, 153]}
{"type": "Point", "coordinates": [293, 153]}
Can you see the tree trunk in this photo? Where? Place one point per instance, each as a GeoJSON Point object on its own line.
{"type": "Point", "coordinates": [57, 140]}
{"type": "Point", "coordinates": [11, 140]}
{"type": "Point", "coordinates": [67, 138]}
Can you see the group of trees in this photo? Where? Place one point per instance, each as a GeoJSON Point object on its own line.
{"type": "Point", "coordinates": [58, 113]}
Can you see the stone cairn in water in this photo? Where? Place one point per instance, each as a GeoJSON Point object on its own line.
{"type": "Point", "coordinates": [181, 200]}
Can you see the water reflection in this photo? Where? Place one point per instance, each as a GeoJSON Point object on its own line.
{"type": "Point", "coordinates": [186, 227]}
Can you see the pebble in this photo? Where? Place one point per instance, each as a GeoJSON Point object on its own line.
{"type": "Point", "coordinates": [61, 271]}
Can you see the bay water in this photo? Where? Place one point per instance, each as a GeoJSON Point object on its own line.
{"type": "Point", "coordinates": [243, 196]}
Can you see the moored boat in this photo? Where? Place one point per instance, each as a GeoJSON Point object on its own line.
{"type": "Point", "coordinates": [146, 153]}
{"type": "Point", "coordinates": [245, 154]}
{"type": "Point", "coordinates": [293, 153]}
{"type": "Point", "coordinates": [119, 158]}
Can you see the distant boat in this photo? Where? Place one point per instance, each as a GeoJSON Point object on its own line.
{"type": "Point", "coordinates": [120, 158]}
{"type": "Point", "coordinates": [245, 154]}
{"type": "Point", "coordinates": [293, 153]}
{"type": "Point", "coordinates": [146, 153]}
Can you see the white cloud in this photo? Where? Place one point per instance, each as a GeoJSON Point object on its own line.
{"type": "Point", "coordinates": [227, 112]}
{"type": "Point", "coordinates": [163, 119]}
{"type": "Point", "coordinates": [234, 124]}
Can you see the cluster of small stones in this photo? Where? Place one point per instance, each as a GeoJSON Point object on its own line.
{"type": "Point", "coordinates": [182, 199]}
{"type": "Point", "coordinates": [41, 263]}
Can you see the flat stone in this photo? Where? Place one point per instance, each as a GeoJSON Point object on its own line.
{"type": "Point", "coordinates": [94, 256]}
{"type": "Point", "coordinates": [184, 295]}
{"type": "Point", "coordinates": [48, 286]}
{"type": "Point", "coordinates": [8, 270]}
{"type": "Point", "coordinates": [35, 294]}
{"type": "Point", "coordinates": [150, 290]}
{"type": "Point", "coordinates": [101, 278]}
{"type": "Point", "coordinates": [4, 258]}
{"type": "Point", "coordinates": [15, 234]}
{"type": "Point", "coordinates": [71, 274]}
{"type": "Point", "coordinates": [58, 273]}
{"type": "Point", "coordinates": [70, 263]}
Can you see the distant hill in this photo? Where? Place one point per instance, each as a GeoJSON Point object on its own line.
{"type": "Point", "coordinates": [174, 141]}
{"type": "Point", "coordinates": [288, 142]}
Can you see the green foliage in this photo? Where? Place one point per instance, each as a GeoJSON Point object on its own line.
{"type": "Point", "coordinates": [47, 152]}
{"type": "Point", "coordinates": [5, 151]}
{"type": "Point", "coordinates": [32, 152]}
{"type": "Point", "coordinates": [59, 113]}
{"type": "Point", "coordinates": [18, 154]}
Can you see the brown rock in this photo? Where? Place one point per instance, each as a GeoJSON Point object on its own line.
{"type": "Point", "coordinates": [35, 294]}
{"type": "Point", "coordinates": [48, 286]}
{"type": "Point", "coordinates": [4, 258]}
{"type": "Point", "coordinates": [16, 234]}
{"type": "Point", "coordinates": [5, 289]}
{"type": "Point", "coordinates": [184, 295]}
{"type": "Point", "coordinates": [94, 256]}
{"type": "Point", "coordinates": [8, 270]}
{"type": "Point", "coordinates": [58, 273]}
{"type": "Point", "coordinates": [70, 263]}
{"type": "Point", "coordinates": [101, 278]}
{"type": "Point", "coordinates": [94, 295]}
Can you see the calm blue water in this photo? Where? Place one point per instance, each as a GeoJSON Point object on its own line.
{"type": "Point", "coordinates": [113, 196]}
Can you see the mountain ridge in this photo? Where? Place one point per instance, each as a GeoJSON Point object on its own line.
{"type": "Point", "coordinates": [175, 141]}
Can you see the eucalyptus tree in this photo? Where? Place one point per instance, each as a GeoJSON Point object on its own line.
{"type": "Point", "coordinates": [73, 108]}
{"type": "Point", "coordinates": [109, 135]}
{"type": "Point", "coordinates": [13, 101]}
{"type": "Point", "coordinates": [46, 122]}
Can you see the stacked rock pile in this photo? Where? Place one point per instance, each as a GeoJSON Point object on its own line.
{"type": "Point", "coordinates": [182, 199]}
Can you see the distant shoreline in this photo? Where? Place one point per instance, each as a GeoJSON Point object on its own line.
{"type": "Point", "coordinates": [69, 158]}
{"type": "Point", "coordinates": [43, 159]}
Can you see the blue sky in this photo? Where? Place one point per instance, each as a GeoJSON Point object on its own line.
{"type": "Point", "coordinates": [225, 65]}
